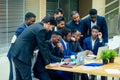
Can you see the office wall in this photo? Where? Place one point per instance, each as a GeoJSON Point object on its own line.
{"type": "Point", "coordinates": [119, 7]}
{"type": "Point", "coordinates": [112, 9]}
{"type": "Point", "coordinates": [99, 5]}
{"type": "Point", "coordinates": [112, 17]}
{"type": "Point", "coordinates": [84, 7]}
{"type": "Point", "coordinates": [38, 7]}
{"type": "Point", "coordinates": [42, 9]}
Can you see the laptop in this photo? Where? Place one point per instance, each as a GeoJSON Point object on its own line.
{"type": "Point", "coordinates": [100, 50]}
{"type": "Point", "coordinates": [80, 57]}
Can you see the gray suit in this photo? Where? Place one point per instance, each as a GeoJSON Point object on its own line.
{"type": "Point", "coordinates": [22, 51]}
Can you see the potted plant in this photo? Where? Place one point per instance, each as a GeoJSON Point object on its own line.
{"type": "Point", "coordinates": [104, 56]}
{"type": "Point", "coordinates": [112, 55]}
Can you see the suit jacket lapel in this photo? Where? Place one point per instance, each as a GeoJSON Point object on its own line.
{"type": "Point", "coordinates": [63, 47]}
{"type": "Point", "coordinates": [98, 21]}
{"type": "Point", "coordinates": [89, 23]}
{"type": "Point", "coordinates": [90, 43]}
{"type": "Point", "coordinates": [89, 26]}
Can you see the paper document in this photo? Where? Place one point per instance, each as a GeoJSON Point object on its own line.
{"type": "Point", "coordinates": [112, 71]}
{"type": "Point", "coordinates": [13, 39]}
{"type": "Point", "coordinates": [89, 68]}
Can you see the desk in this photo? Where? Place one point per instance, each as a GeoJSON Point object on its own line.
{"type": "Point", "coordinates": [100, 71]}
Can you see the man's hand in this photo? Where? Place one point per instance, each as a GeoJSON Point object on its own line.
{"type": "Point", "coordinates": [67, 60]}
{"type": "Point", "coordinates": [73, 39]}
{"type": "Point", "coordinates": [60, 46]}
{"type": "Point", "coordinates": [88, 52]}
{"type": "Point", "coordinates": [100, 36]}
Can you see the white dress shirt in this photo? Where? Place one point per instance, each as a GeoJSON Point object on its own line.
{"type": "Point", "coordinates": [93, 24]}
{"type": "Point", "coordinates": [93, 43]}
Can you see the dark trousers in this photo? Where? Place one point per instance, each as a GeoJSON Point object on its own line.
{"type": "Point", "coordinates": [81, 76]}
{"type": "Point", "coordinates": [23, 71]}
{"type": "Point", "coordinates": [84, 76]}
{"type": "Point", "coordinates": [11, 69]}
{"type": "Point", "coordinates": [63, 75]}
{"type": "Point", "coordinates": [102, 77]}
{"type": "Point", "coordinates": [10, 61]}
{"type": "Point", "coordinates": [39, 69]}
{"type": "Point", "coordinates": [42, 75]}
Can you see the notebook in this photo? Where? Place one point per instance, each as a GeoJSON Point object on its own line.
{"type": "Point", "coordinates": [93, 64]}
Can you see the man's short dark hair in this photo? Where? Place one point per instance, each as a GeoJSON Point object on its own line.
{"type": "Point", "coordinates": [65, 31]}
{"type": "Point", "coordinates": [58, 10]}
{"type": "Point", "coordinates": [73, 13]}
{"type": "Point", "coordinates": [58, 19]}
{"type": "Point", "coordinates": [93, 11]}
{"type": "Point", "coordinates": [50, 19]}
{"type": "Point", "coordinates": [74, 31]}
{"type": "Point", "coordinates": [57, 33]}
{"type": "Point", "coordinates": [29, 15]}
{"type": "Point", "coordinates": [96, 27]}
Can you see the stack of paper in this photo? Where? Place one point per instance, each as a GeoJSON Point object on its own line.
{"type": "Point", "coordinates": [89, 68]}
{"type": "Point", "coordinates": [112, 71]}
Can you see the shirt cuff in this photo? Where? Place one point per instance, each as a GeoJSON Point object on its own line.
{"type": "Point", "coordinates": [101, 40]}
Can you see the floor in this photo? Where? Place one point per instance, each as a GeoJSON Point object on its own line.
{"type": "Point", "coordinates": [4, 68]}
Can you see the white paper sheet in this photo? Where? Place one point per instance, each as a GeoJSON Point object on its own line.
{"type": "Point", "coordinates": [112, 71]}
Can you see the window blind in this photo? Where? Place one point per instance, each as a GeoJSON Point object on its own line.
{"type": "Point", "coordinates": [11, 16]}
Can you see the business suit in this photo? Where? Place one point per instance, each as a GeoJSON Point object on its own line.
{"type": "Point", "coordinates": [54, 49]}
{"type": "Point", "coordinates": [75, 46]}
{"type": "Point", "coordinates": [56, 52]}
{"type": "Point", "coordinates": [101, 22]}
{"type": "Point", "coordinates": [72, 25]}
{"type": "Point", "coordinates": [20, 29]}
{"type": "Point", "coordinates": [22, 51]}
{"type": "Point", "coordinates": [39, 68]}
{"type": "Point", "coordinates": [58, 75]}
{"type": "Point", "coordinates": [88, 45]}
{"type": "Point", "coordinates": [17, 33]}
{"type": "Point", "coordinates": [72, 49]}
{"type": "Point", "coordinates": [67, 51]}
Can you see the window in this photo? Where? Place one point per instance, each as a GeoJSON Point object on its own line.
{"type": "Point", "coordinates": [11, 16]}
{"type": "Point", "coordinates": [67, 5]}
{"type": "Point", "coordinates": [113, 17]}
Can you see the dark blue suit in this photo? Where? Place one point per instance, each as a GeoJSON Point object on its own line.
{"type": "Point", "coordinates": [20, 29]}
{"type": "Point", "coordinates": [72, 25]}
{"type": "Point", "coordinates": [75, 46]}
{"type": "Point", "coordinates": [17, 33]}
{"type": "Point", "coordinates": [67, 51]}
{"type": "Point", "coordinates": [54, 49]}
{"type": "Point", "coordinates": [61, 75]}
{"type": "Point", "coordinates": [88, 45]}
{"type": "Point", "coordinates": [101, 22]}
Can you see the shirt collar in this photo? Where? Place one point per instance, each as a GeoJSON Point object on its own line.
{"type": "Point", "coordinates": [26, 25]}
